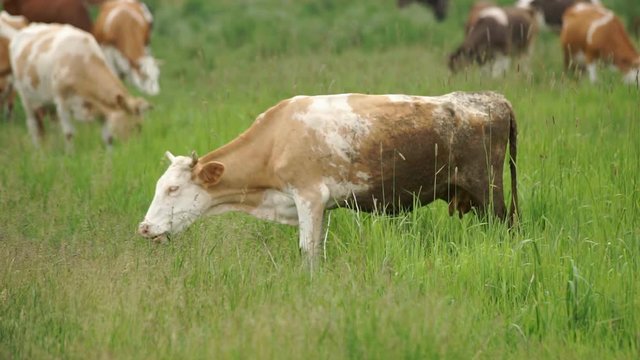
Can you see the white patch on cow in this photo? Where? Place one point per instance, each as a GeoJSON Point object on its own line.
{"type": "Point", "coordinates": [605, 19]}
{"type": "Point", "coordinates": [333, 119]}
{"type": "Point", "coordinates": [146, 79]}
{"type": "Point", "coordinates": [500, 65]}
{"type": "Point", "coordinates": [579, 7]}
{"type": "Point", "coordinates": [399, 98]}
{"type": "Point", "coordinates": [524, 4]}
{"type": "Point", "coordinates": [591, 69]}
{"type": "Point", "coordinates": [116, 61]}
{"type": "Point", "coordinates": [146, 13]}
{"type": "Point", "coordinates": [340, 190]}
{"type": "Point", "coordinates": [632, 76]}
{"type": "Point", "coordinates": [277, 206]}
{"type": "Point", "coordinates": [363, 176]}
{"type": "Point", "coordinates": [177, 202]}
{"type": "Point", "coordinates": [496, 13]}
{"type": "Point", "coordinates": [579, 58]}
{"type": "Point", "coordinates": [305, 222]}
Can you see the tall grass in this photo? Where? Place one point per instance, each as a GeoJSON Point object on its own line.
{"type": "Point", "coordinates": [76, 282]}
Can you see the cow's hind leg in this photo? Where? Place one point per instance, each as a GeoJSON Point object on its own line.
{"type": "Point", "coordinates": [34, 124]}
{"type": "Point", "coordinates": [310, 204]}
{"type": "Point", "coordinates": [65, 122]}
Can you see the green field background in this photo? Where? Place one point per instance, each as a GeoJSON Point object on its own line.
{"type": "Point", "coordinates": [77, 282]}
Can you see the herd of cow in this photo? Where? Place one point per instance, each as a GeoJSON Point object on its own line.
{"type": "Point", "coordinates": [306, 154]}
{"type": "Point", "coordinates": [589, 33]}
{"type": "Point", "coordinates": [53, 55]}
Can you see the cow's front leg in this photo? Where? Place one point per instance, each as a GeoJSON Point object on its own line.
{"type": "Point", "coordinates": [107, 137]}
{"type": "Point", "coordinates": [310, 204]}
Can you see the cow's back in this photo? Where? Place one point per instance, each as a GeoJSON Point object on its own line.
{"type": "Point", "coordinates": [49, 59]}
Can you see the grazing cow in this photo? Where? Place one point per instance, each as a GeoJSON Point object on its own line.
{"type": "Point", "coordinates": [439, 7]}
{"type": "Point", "coordinates": [62, 65]}
{"type": "Point", "coordinates": [591, 33]}
{"type": "Point", "coordinates": [550, 11]}
{"type": "Point", "coordinates": [73, 12]}
{"type": "Point", "coordinates": [7, 94]}
{"type": "Point", "coordinates": [123, 29]}
{"type": "Point", "coordinates": [374, 153]}
{"type": "Point", "coordinates": [494, 35]}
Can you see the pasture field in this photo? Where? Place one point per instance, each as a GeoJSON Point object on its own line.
{"type": "Point", "coordinates": [77, 282]}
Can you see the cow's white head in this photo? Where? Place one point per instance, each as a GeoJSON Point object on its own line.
{"type": "Point", "coordinates": [181, 196]}
{"type": "Point", "coordinates": [145, 77]}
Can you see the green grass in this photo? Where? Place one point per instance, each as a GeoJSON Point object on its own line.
{"type": "Point", "coordinates": [76, 282]}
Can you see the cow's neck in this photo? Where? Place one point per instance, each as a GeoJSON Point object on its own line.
{"type": "Point", "coordinates": [246, 175]}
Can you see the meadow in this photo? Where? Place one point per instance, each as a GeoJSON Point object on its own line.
{"type": "Point", "coordinates": [77, 282]}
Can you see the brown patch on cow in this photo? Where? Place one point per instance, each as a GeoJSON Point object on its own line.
{"type": "Point", "coordinates": [45, 44]}
{"type": "Point", "coordinates": [32, 73]}
{"type": "Point", "coordinates": [22, 59]}
{"type": "Point", "coordinates": [125, 33]}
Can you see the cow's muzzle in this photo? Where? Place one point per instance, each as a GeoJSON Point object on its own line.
{"type": "Point", "coordinates": [144, 229]}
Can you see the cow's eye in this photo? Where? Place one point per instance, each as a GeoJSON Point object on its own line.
{"type": "Point", "coordinates": [172, 189]}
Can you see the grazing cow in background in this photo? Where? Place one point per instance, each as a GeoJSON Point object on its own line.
{"type": "Point", "coordinates": [7, 94]}
{"type": "Point", "coordinates": [123, 29]}
{"type": "Point", "coordinates": [494, 35]}
{"type": "Point", "coordinates": [472, 18]}
{"type": "Point", "coordinates": [73, 12]}
{"type": "Point", "coordinates": [374, 153]}
{"type": "Point", "coordinates": [439, 6]}
{"type": "Point", "coordinates": [591, 33]}
{"type": "Point", "coordinates": [62, 65]}
{"type": "Point", "coordinates": [550, 11]}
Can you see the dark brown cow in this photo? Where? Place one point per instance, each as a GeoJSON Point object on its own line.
{"type": "Point", "coordinates": [72, 12]}
{"type": "Point", "coordinates": [494, 35]}
{"type": "Point", "coordinates": [551, 11]}
{"type": "Point", "coordinates": [439, 6]}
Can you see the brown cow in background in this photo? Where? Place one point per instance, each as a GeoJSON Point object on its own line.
{"type": "Point", "coordinates": [72, 12]}
{"type": "Point", "coordinates": [551, 11]}
{"type": "Point", "coordinates": [439, 7]}
{"type": "Point", "coordinates": [593, 33]}
{"type": "Point", "coordinates": [123, 30]}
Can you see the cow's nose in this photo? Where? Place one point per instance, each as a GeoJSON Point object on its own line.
{"type": "Point", "coordinates": [143, 229]}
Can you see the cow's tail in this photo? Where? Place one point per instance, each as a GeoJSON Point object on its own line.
{"type": "Point", "coordinates": [513, 152]}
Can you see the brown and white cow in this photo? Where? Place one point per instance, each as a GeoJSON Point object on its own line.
{"type": "Point", "coordinates": [72, 12]}
{"type": "Point", "coordinates": [123, 29]}
{"type": "Point", "coordinates": [439, 7]}
{"type": "Point", "coordinates": [591, 33]}
{"type": "Point", "coordinates": [7, 94]}
{"type": "Point", "coordinates": [494, 35]}
{"type": "Point", "coordinates": [374, 153]}
{"type": "Point", "coordinates": [62, 65]}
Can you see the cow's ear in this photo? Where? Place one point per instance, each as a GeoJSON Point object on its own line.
{"type": "Point", "coordinates": [211, 173]}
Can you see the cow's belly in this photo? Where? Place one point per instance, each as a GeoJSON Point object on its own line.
{"type": "Point", "coordinates": [277, 206]}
